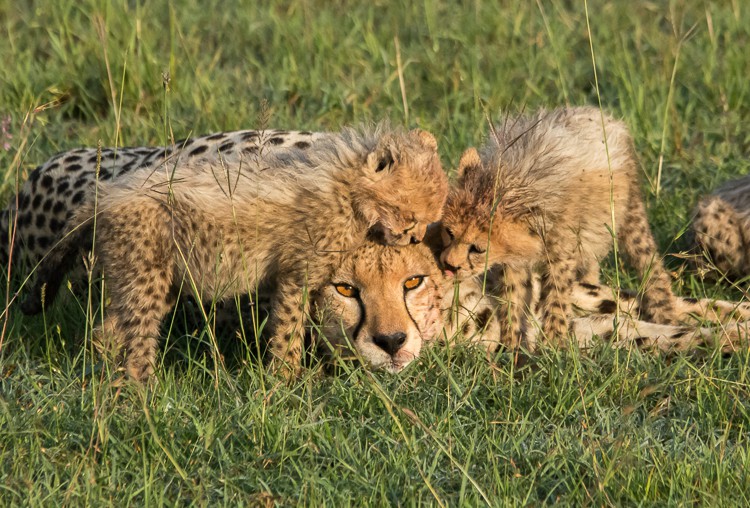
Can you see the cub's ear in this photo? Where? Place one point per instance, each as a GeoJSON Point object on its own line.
{"type": "Point", "coordinates": [427, 139]}
{"type": "Point", "coordinates": [380, 160]}
{"type": "Point", "coordinates": [469, 162]}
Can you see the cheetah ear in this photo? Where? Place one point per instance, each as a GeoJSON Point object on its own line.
{"type": "Point", "coordinates": [469, 162]}
{"type": "Point", "coordinates": [380, 160]}
{"type": "Point", "coordinates": [426, 138]}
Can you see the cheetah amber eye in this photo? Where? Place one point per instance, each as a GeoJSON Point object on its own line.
{"type": "Point", "coordinates": [413, 283]}
{"type": "Point", "coordinates": [346, 290]}
{"type": "Point", "coordinates": [450, 234]}
{"type": "Point", "coordinates": [476, 250]}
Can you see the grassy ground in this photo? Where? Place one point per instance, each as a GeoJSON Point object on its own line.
{"type": "Point", "coordinates": [607, 428]}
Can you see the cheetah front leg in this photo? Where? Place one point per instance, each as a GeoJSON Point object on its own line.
{"type": "Point", "coordinates": [138, 267]}
{"type": "Point", "coordinates": [511, 311]}
{"type": "Point", "coordinates": [289, 306]}
{"type": "Point", "coordinates": [134, 334]}
{"type": "Point", "coordinates": [555, 296]}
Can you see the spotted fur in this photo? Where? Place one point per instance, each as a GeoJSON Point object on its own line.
{"type": "Point", "coordinates": [722, 228]}
{"type": "Point", "coordinates": [35, 217]}
{"type": "Point", "coordinates": [540, 197]}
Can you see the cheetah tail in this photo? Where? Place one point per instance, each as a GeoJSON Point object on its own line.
{"type": "Point", "coordinates": [693, 310]}
{"type": "Point", "coordinates": [600, 299]}
{"type": "Point", "coordinates": [656, 337]}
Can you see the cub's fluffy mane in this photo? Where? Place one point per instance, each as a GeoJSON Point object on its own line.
{"type": "Point", "coordinates": [517, 162]}
{"type": "Point", "coordinates": [521, 154]}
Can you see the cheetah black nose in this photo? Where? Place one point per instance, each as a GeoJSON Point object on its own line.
{"type": "Point", "coordinates": [390, 343]}
{"type": "Point", "coordinates": [450, 267]}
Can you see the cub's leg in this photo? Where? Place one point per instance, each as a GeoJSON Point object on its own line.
{"type": "Point", "coordinates": [512, 308]}
{"type": "Point", "coordinates": [589, 272]}
{"type": "Point", "coordinates": [136, 247]}
{"type": "Point", "coordinates": [638, 245]}
{"type": "Point", "coordinates": [289, 306]}
{"type": "Point", "coordinates": [557, 282]}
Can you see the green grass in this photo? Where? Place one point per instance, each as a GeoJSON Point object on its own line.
{"type": "Point", "coordinates": [606, 428]}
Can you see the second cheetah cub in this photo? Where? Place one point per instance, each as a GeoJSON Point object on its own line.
{"type": "Point", "coordinates": [221, 228]}
{"type": "Point", "coordinates": [544, 195]}
{"type": "Point", "coordinates": [722, 228]}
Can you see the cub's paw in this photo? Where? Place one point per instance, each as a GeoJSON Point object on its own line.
{"type": "Point", "coordinates": [555, 331]}
{"type": "Point", "coordinates": [284, 367]}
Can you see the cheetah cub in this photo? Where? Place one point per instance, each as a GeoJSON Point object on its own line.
{"type": "Point", "coordinates": [543, 196]}
{"type": "Point", "coordinates": [722, 228]}
{"type": "Point", "coordinates": [221, 228]}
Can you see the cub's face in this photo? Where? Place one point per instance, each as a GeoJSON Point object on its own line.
{"type": "Point", "coordinates": [404, 188]}
{"type": "Point", "coordinates": [476, 233]}
{"type": "Point", "coordinates": [382, 304]}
